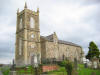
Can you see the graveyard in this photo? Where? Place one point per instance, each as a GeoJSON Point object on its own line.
{"type": "Point", "coordinates": [53, 67]}
{"type": "Point", "coordinates": [80, 69]}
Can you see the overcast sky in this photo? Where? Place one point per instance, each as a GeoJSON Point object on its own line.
{"type": "Point", "coordinates": [76, 21]}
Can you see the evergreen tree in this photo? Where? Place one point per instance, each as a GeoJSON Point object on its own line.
{"type": "Point", "coordinates": [93, 51]}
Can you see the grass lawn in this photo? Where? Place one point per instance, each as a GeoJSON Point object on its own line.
{"type": "Point", "coordinates": [5, 70]}
{"type": "Point", "coordinates": [81, 71]}
{"type": "Point", "coordinates": [29, 70]}
{"type": "Point", "coordinates": [87, 71]}
{"type": "Point", "coordinates": [61, 71]}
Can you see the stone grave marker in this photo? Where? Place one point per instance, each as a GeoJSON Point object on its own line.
{"type": "Point", "coordinates": [95, 63]}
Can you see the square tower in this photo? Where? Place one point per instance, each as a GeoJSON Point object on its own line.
{"type": "Point", "coordinates": [27, 37]}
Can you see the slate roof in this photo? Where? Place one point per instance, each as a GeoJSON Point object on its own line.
{"type": "Point", "coordinates": [50, 38]}
{"type": "Point", "coordinates": [68, 43]}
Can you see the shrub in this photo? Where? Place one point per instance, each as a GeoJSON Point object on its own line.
{"type": "Point", "coordinates": [62, 63]}
{"type": "Point", "coordinates": [5, 70]}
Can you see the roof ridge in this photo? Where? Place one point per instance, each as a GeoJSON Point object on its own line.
{"type": "Point", "coordinates": [49, 38]}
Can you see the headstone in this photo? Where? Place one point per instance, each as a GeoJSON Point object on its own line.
{"type": "Point", "coordinates": [89, 64]}
{"type": "Point", "coordinates": [13, 66]}
{"type": "Point", "coordinates": [95, 63]}
{"type": "Point", "coordinates": [85, 65]}
{"type": "Point", "coordinates": [13, 73]}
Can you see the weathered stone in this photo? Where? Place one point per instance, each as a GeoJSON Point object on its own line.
{"type": "Point", "coordinates": [29, 42]}
{"type": "Point", "coordinates": [95, 63]}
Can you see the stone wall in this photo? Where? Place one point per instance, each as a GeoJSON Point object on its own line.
{"type": "Point", "coordinates": [48, 68]}
{"type": "Point", "coordinates": [59, 50]}
{"type": "Point", "coordinates": [51, 50]}
{"type": "Point", "coordinates": [69, 52]}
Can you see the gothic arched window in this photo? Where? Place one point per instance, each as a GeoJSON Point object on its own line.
{"type": "Point", "coordinates": [20, 46]}
{"type": "Point", "coordinates": [20, 24]}
{"type": "Point", "coordinates": [32, 22]}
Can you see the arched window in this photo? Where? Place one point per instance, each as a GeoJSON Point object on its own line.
{"type": "Point", "coordinates": [20, 24]}
{"type": "Point", "coordinates": [20, 46]}
{"type": "Point", "coordinates": [32, 22]}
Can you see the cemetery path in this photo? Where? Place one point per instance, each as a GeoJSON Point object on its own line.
{"type": "Point", "coordinates": [1, 73]}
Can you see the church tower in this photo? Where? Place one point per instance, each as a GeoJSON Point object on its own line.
{"type": "Point", "coordinates": [27, 37]}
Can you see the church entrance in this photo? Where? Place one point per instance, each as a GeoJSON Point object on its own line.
{"type": "Point", "coordinates": [32, 59]}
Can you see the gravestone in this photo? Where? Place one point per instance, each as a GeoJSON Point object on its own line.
{"type": "Point", "coordinates": [95, 63]}
{"type": "Point", "coordinates": [85, 65]}
{"type": "Point", "coordinates": [13, 66]}
{"type": "Point", "coordinates": [89, 64]}
{"type": "Point", "coordinates": [13, 73]}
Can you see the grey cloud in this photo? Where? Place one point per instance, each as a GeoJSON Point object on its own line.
{"type": "Point", "coordinates": [90, 2]}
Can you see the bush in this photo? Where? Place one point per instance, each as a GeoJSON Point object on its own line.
{"type": "Point", "coordinates": [62, 63]}
{"type": "Point", "coordinates": [5, 70]}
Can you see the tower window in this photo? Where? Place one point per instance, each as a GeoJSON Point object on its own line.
{"type": "Point", "coordinates": [21, 24]}
{"type": "Point", "coordinates": [32, 22]}
{"type": "Point", "coordinates": [20, 46]}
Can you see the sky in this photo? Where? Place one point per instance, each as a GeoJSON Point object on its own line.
{"type": "Point", "coordinates": [76, 21]}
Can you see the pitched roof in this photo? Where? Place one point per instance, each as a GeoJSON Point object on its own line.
{"type": "Point", "coordinates": [68, 43]}
{"type": "Point", "coordinates": [50, 38]}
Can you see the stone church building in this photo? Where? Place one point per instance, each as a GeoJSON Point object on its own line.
{"type": "Point", "coordinates": [29, 43]}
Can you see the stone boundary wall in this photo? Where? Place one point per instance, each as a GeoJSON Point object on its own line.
{"type": "Point", "coordinates": [47, 68]}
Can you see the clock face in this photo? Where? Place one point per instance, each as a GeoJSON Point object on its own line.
{"type": "Point", "coordinates": [32, 35]}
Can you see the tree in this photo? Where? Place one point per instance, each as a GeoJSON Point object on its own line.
{"type": "Point", "coordinates": [69, 67]}
{"type": "Point", "coordinates": [93, 51]}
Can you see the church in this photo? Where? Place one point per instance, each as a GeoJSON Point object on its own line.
{"type": "Point", "coordinates": [29, 42]}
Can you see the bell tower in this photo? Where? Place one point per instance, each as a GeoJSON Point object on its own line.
{"type": "Point", "coordinates": [27, 37]}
